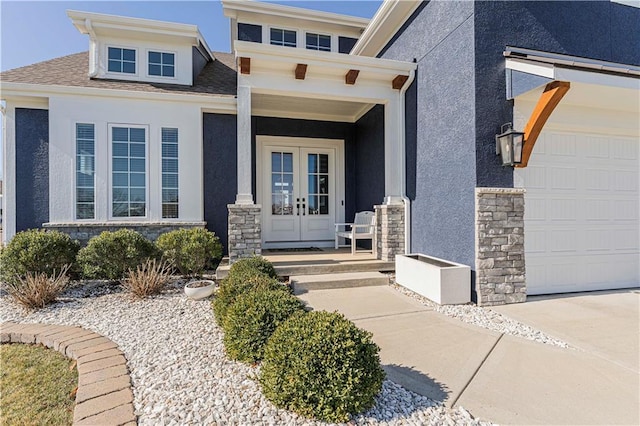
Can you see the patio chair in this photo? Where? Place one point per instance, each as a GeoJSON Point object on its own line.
{"type": "Point", "coordinates": [362, 228]}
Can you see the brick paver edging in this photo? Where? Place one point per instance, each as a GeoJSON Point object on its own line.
{"type": "Point", "coordinates": [104, 395]}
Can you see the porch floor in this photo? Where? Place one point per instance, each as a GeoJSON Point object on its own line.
{"type": "Point", "coordinates": [323, 261]}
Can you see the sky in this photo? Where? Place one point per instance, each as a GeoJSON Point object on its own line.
{"type": "Point", "coordinates": [35, 31]}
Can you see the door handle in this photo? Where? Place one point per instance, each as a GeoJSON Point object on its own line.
{"type": "Point", "coordinates": [304, 207]}
{"type": "Point", "coordinates": [297, 206]}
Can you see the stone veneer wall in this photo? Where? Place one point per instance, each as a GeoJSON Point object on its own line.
{"type": "Point", "coordinates": [245, 231]}
{"type": "Point", "coordinates": [389, 231]}
{"type": "Point", "coordinates": [83, 232]}
{"type": "Point", "coordinates": [500, 262]}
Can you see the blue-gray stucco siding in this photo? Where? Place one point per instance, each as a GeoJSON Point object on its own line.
{"type": "Point", "coordinates": [199, 62]}
{"type": "Point", "coordinates": [459, 97]}
{"type": "Point", "coordinates": [440, 120]}
{"type": "Point", "coordinates": [32, 168]}
{"type": "Point", "coordinates": [219, 151]}
{"type": "Point", "coordinates": [593, 29]}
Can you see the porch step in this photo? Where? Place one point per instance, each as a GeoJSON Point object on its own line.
{"type": "Point", "coordinates": [319, 267]}
{"type": "Point", "coordinates": [303, 283]}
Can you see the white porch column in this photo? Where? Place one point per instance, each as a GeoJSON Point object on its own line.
{"type": "Point", "coordinates": [9, 167]}
{"type": "Point", "coordinates": [393, 151]}
{"type": "Point", "coordinates": [244, 194]}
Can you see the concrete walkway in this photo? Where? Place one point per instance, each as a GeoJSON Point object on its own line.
{"type": "Point", "coordinates": [500, 378]}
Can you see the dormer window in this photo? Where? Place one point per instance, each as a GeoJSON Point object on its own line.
{"type": "Point", "coordinates": [162, 64]}
{"type": "Point", "coordinates": [281, 37]}
{"type": "Point", "coordinates": [318, 42]}
{"type": "Point", "coordinates": [122, 60]}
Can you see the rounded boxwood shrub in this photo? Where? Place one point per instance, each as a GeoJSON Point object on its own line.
{"type": "Point", "coordinates": [255, 263]}
{"type": "Point", "coordinates": [38, 252]}
{"type": "Point", "coordinates": [191, 251]}
{"type": "Point", "coordinates": [252, 319]}
{"type": "Point", "coordinates": [320, 365]}
{"type": "Point", "coordinates": [111, 255]}
{"type": "Point", "coordinates": [240, 283]}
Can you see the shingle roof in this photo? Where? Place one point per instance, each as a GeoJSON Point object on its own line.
{"type": "Point", "coordinates": [217, 78]}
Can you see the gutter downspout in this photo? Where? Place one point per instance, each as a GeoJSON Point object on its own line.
{"type": "Point", "coordinates": [405, 199]}
{"type": "Point", "coordinates": [93, 51]}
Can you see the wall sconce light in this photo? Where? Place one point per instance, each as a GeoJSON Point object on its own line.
{"type": "Point", "coordinates": [509, 145]}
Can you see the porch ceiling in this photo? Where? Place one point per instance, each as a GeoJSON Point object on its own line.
{"type": "Point", "coordinates": [304, 108]}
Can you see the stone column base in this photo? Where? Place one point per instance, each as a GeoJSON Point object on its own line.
{"type": "Point", "coordinates": [245, 231]}
{"type": "Point", "coordinates": [389, 231]}
{"type": "Point", "coordinates": [500, 268]}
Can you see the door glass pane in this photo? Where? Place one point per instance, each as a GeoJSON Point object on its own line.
{"type": "Point", "coordinates": [313, 165]}
{"type": "Point", "coordinates": [287, 162]}
{"type": "Point", "coordinates": [318, 181]}
{"type": "Point", "coordinates": [282, 183]}
{"type": "Point", "coordinates": [324, 184]}
{"type": "Point", "coordinates": [324, 163]}
{"type": "Point", "coordinates": [276, 162]}
{"type": "Point", "coordinates": [313, 204]}
{"type": "Point", "coordinates": [324, 205]}
{"type": "Point", "coordinates": [313, 184]}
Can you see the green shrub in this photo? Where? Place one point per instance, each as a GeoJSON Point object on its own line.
{"type": "Point", "coordinates": [239, 283]}
{"type": "Point", "coordinates": [192, 251]}
{"type": "Point", "coordinates": [37, 252]}
{"type": "Point", "coordinates": [252, 319]}
{"type": "Point", "coordinates": [111, 255]}
{"type": "Point", "coordinates": [320, 365]}
{"type": "Point", "coordinates": [255, 263]}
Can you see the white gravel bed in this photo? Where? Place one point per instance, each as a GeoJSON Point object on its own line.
{"type": "Point", "coordinates": [180, 373]}
{"type": "Point", "coordinates": [485, 318]}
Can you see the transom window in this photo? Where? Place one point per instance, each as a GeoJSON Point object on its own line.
{"type": "Point", "coordinates": [122, 60]}
{"type": "Point", "coordinates": [162, 64]}
{"type": "Point", "coordinates": [169, 173]}
{"type": "Point", "coordinates": [85, 171]}
{"type": "Point", "coordinates": [129, 153]}
{"type": "Point", "coordinates": [280, 37]}
{"type": "Point", "coordinates": [318, 42]}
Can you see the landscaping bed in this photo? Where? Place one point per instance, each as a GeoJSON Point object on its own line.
{"type": "Point", "coordinates": [179, 369]}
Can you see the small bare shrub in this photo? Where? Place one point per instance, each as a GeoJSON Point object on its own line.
{"type": "Point", "coordinates": [34, 290]}
{"type": "Point", "coordinates": [147, 279]}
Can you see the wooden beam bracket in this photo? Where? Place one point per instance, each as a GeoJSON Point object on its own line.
{"type": "Point", "coordinates": [399, 81]}
{"type": "Point", "coordinates": [351, 77]}
{"type": "Point", "coordinates": [301, 71]}
{"type": "Point", "coordinates": [245, 65]}
{"type": "Point", "coordinates": [549, 100]}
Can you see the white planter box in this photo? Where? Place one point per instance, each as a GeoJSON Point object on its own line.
{"type": "Point", "coordinates": [441, 281]}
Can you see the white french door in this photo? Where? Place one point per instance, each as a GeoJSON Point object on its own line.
{"type": "Point", "coordinates": [298, 195]}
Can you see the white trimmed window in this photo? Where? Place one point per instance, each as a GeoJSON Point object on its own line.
{"type": "Point", "coordinates": [169, 173]}
{"type": "Point", "coordinates": [121, 60]}
{"type": "Point", "coordinates": [162, 64]}
{"type": "Point", "coordinates": [128, 166]}
{"type": "Point", "coordinates": [85, 171]}
{"type": "Point", "coordinates": [318, 42]}
{"type": "Point", "coordinates": [280, 37]}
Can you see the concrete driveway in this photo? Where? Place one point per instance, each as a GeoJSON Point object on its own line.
{"type": "Point", "coordinates": [606, 324]}
{"type": "Point", "coordinates": [503, 378]}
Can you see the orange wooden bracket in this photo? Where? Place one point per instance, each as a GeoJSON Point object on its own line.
{"type": "Point", "coordinates": [301, 71]}
{"type": "Point", "coordinates": [399, 81]}
{"type": "Point", "coordinates": [245, 65]}
{"type": "Point", "coordinates": [351, 76]}
{"type": "Point", "coordinates": [549, 100]}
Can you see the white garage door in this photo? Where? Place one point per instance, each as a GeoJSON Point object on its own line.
{"type": "Point", "coordinates": [581, 213]}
